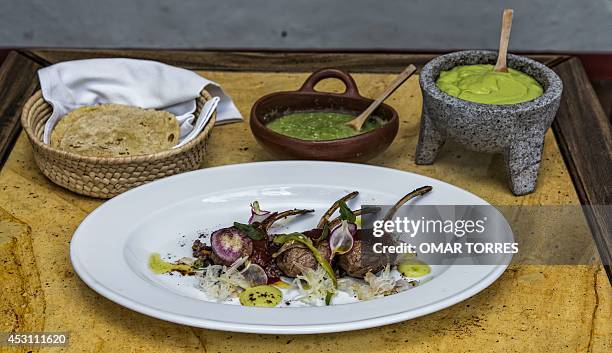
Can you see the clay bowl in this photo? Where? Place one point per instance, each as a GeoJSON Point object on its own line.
{"type": "Point", "coordinates": [359, 148]}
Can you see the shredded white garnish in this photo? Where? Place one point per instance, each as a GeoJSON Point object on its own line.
{"type": "Point", "coordinates": [313, 286]}
{"type": "Point", "coordinates": [186, 261]}
{"type": "Point", "coordinates": [222, 282]}
{"type": "Point", "coordinates": [374, 287]}
{"type": "Point", "coordinates": [381, 284]}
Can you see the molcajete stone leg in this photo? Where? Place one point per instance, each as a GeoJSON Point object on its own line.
{"type": "Point", "coordinates": [523, 162]}
{"type": "Point", "coordinates": [430, 140]}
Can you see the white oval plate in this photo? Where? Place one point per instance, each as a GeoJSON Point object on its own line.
{"type": "Point", "coordinates": [110, 248]}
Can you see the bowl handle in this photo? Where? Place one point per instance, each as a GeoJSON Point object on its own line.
{"type": "Point", "coordinates": [349, 83]}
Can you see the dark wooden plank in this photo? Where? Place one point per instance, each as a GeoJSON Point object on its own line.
{"type": "Point", "coordinates": [17, 83]}
{"type": "Point", "coordinates": [261, 61]}
{"type": "Point", "coordinates": [584, 135]}
{"type": "Point", "coordinates": [603, 88]}
{"type": "Point", "coordinates": [3, 54]}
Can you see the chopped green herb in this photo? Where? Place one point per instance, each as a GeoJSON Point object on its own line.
{"type": "Point", "coordinates": [328, 298]}
{"type": "Point", "coordinates": [251, 230]}
{"type": "Point", "coordinates": [346, 214]}
{"type": "Point", "coordinates": [325, 233]}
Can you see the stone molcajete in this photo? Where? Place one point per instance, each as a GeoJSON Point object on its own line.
{"type": "Point", "coordinates": [515, 130]}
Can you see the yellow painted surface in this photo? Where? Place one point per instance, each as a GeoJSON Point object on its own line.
{"type": "Point", "coordinates": [529, 309]}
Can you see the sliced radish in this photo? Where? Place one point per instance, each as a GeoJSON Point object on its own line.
{"type": "Point", "coordinates": [257, 214]}
{"type": "Point", "coordinates": [341, 237]}
{"type": "Point", "coordinates": [255, 275]}
{"type": "Point", "coordinates": [230, 244]}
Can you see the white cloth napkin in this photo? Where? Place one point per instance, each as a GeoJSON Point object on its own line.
{"type": "Point", "coordinates": [141, 83]}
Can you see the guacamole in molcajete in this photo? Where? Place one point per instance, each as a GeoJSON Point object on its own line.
{"type": "Point", "coordinates": [481, 84]}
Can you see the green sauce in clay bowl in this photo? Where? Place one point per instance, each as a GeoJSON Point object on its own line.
{"type": "Point", "coordinates": [309, 124]}
{"type": "Point", "coordinates": [320, 126]}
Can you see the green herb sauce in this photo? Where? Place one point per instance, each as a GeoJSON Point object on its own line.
{"type": "Point", "coordinates": [413, 268]}
{"type": "Point", "coordinates": [159, 266]}
{"type": "Point", "coordinates": [482, 84]}
{"type": "Point", "coordinates": [264, 296]}
{"type": "Point", "coordinates": [319, 126]}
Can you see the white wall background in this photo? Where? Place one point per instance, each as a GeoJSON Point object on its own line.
{"type": "Point", "coordinates": [539, 25]}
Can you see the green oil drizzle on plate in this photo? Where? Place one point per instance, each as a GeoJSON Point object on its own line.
{"type": "Point", "coordinates": [413, 268]}
{"type": "Point", "coordinates": [263, 296]}
{"type": "Point", "coordinates": [159, 266]}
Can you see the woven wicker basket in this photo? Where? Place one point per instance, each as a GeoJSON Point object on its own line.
{"type": "Point", "coordinates": [105, 177]}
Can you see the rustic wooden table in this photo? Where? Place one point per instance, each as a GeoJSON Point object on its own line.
{"type": "Point", "coordinates": [544, 308]}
